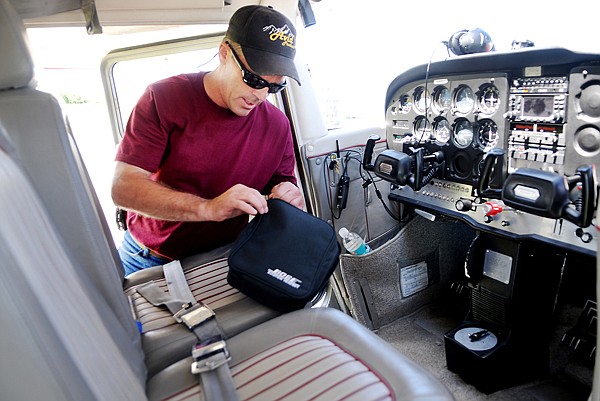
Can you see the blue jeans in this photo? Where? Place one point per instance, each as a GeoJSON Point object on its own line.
{"type": "Point", "coordinates": [135, 257]}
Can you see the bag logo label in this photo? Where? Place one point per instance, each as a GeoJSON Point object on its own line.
{"type": "Point", "coordinates": [284, 277]}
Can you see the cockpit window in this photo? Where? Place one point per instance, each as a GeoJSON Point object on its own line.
{"type": "Point", "coordinates": [131, 77]}
{"type": "Point", "coordinates": [356, 49]}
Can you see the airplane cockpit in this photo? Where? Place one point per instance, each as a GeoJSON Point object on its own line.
{"type": "Point", "coordinates": [475, 191]}
{"type": "Point", "coordinates": [508, 144]}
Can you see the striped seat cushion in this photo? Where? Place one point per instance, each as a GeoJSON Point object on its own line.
{"type": "Point", "coordinates": [208, 283]}
{"type": "Point", "coordinates": [306, 367]}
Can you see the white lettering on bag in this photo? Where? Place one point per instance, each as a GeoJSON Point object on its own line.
{"type": "Point", "coordinates": [284, 277]}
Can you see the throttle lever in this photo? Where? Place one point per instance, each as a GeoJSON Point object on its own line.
{"type": "Point", "coordinates": [491, 163]}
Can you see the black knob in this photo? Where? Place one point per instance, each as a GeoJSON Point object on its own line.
{"type": "Point", "coordinates": [584, 235]}
{"type": "Point", "coordinates": [463, 205]}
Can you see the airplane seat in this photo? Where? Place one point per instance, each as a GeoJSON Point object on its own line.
{"type": "Point", "coordinates": [40, 138]}
{"type": "Point", "coordinates": [59, 343]}
{"type": "Point", "coordinates": [166, 341]}
{"type": "Point", "coordinates": [47, 150]}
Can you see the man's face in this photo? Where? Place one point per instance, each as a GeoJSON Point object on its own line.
{"type": "Point", "coordinates": [240, 98]}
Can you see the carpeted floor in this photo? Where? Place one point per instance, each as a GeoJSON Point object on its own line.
{"type": "Point", "coordinates": [411, 290]}
{"type": "Point", "coordinates": [420, 337]}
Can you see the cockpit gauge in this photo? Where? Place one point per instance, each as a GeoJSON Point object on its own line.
{"type": "Point", "coordinates": [405, 104]}
{"type": "Point", "coordinates": [441, 131]}
{"type": "Point", "coordinates": [422, 129]}
{"type": "Point", "coordinates": [489, 99]}
{"type": "Point", "coordinates": [464, 100]}
{"type": "Point", "coordinates": [442, 99]}
{"type": "Point", "coordinates": [422, 100]}
{"type": "Point", "coordinates": [462, 133]}
{"type": "Point", "coordinates": [487, 133]}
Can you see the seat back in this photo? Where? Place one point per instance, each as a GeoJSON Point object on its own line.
{"type": "Point", "coordinates": [56, 344]}
{"type": "Point", "coordinates": [46, 151]}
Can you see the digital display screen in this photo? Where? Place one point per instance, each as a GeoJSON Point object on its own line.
{"type": "Point", "coordinates": [538, 106]}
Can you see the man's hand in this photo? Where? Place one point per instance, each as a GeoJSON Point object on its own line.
{"type": "Point", "coordinates": [234, 202]}
{"type": "Point", "coordinates": [288, 192]}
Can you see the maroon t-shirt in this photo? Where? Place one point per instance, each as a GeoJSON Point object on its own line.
{"type": "Point", "coordinates": [189, 143]}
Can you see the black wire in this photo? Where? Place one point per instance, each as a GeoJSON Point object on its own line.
{"type": "Point", "coordinates": [369, 181]}
{"type": "Point", "coordinates": [366, 180]}
{"type": "Point", "coordinates": [425, 93]}
{"type": "Point", "coordinates": [378, 193]}
{"type": "Point", "coordinates": [345, 171]}
{"type": "Point", "coordinates": [208, 61]}
{"type": "Point", "coordinates": [327, 189]}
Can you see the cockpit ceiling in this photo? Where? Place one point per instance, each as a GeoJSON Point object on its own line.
{"type": "Point", "coordinates": [42, 13]}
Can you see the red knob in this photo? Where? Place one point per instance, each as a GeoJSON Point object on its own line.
{"type": "Point", "coordinates": [492, 208]}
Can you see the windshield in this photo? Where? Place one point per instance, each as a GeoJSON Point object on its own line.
{"type": "Point", "coordinates": [357, 48]}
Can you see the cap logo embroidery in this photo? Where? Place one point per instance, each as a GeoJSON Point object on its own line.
{"type": "Point", "coordinates": [284, 34]}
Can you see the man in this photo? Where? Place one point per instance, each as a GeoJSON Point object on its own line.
{"type": "Point", "coordinates": [202, 151]}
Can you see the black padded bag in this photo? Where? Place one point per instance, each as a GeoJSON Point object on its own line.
{"type": "Point", "coordinates": [283, 258]}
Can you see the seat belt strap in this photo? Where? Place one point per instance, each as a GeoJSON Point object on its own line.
{"type": "Point", "coordinates": [210, 352]}
{"type": "Point", "coordinates": [217, 384]}
{"type": "Point", "coordinates": [176, 282]}
{"type": "Point", "coordinates": [196, 316]}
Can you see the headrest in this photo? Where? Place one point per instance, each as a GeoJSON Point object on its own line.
{"type": "Point", "coordinates": [16, 64]}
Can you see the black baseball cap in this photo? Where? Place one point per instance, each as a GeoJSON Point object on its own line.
{"type": "Point", "coordinates": [267, 38]}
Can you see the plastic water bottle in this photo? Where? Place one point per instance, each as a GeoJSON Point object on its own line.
{"type": "Point", "coordinates": [353, 242]}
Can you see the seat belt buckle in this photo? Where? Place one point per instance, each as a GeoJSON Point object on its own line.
{"type": "Point", "coordinates": [208, 357]}
{"type": "Point", "coordinates": [193, 315]}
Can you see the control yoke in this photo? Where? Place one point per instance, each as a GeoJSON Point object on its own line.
{"type": "Point", "coordinates": [368, 156]}
{"type": "Point", "coordinates": [548, 194]}
{"type": "Point", "coordinates": [414, 170]}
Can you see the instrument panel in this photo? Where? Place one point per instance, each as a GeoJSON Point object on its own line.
{"type": "Point", "coordinates": [537, 108]}
{"type": "Point", "coordinates": [460, 115]}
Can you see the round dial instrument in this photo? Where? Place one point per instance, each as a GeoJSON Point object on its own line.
{"type": "Point", "coordinates": [489, 99]}
{"type": "Point", "coordinates": [441, 131]}
{"type": "Point", "coordinates": [442, 99]}
{"type": "Point", "coordinates": [422, 129]}
{"type": "Point", "coordinates": [463, 133]}
{"type": "Point", "coordinates": [405, 103]}
{"type": "Point", "coordinates": [422, 100]}
{"type": "Point", "coordinates": [487, 133]}
{"type": "Point", "coordinates": [464, 100]}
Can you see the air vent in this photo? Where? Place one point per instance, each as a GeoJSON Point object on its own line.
{"type": "Point", "coordinates": [488, 307]}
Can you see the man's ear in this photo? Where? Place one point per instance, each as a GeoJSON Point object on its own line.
{"type": "Point", "coordinates": [223, 52]}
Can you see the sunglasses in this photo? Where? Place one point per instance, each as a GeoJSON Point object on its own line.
{"type": "Point", "coordinates": [253, 80]}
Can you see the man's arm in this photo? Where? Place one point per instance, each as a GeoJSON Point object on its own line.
{"type": "Point", "coordinates": [133, 189]}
